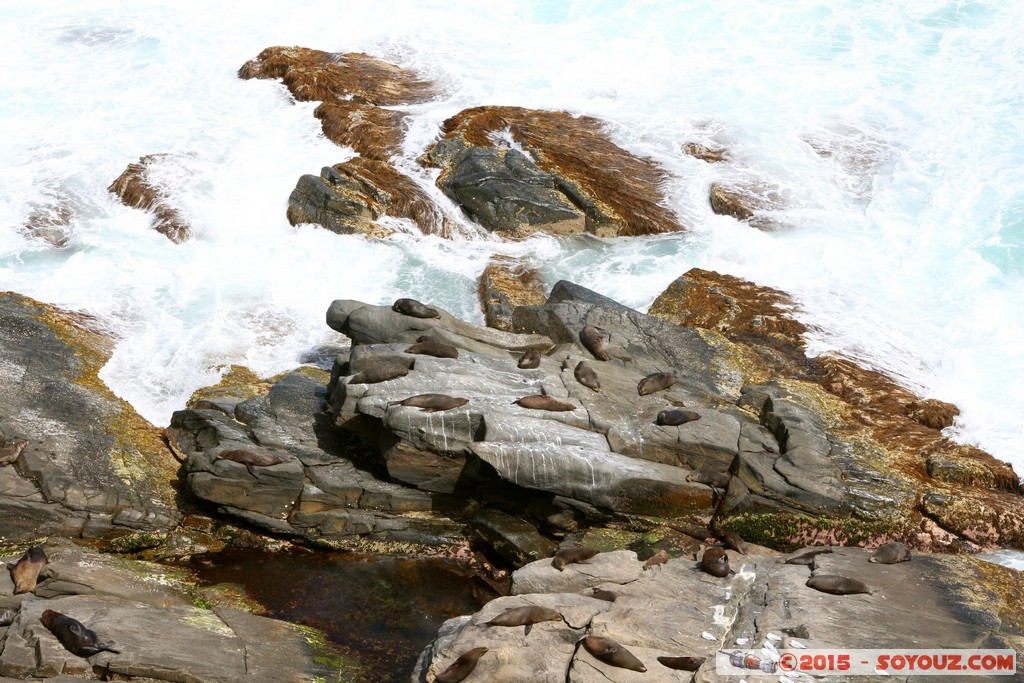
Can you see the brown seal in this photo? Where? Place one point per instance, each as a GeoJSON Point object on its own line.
{"type": "Point", "coordinates": [380, 372]}
{"type": "Point", "coordinates": [655, 382]}
{"type": "Point", "coordinates": [432, 347]}
{"type": "Point", "coordinates": [891, 553]}
{"type": "Point", "coordinates": [73, 635]}
{"type": "Point", "coordinates": [572, 556]}
{"type": "Point", "coordinates": [611, 653]}
{"type": "Point", "coordinates": [544, 402]}
{"type": "Point", "coordinates": [414, 308]}
{"type": "Point", "coordinates": [250, 458]}
{"type": "Point", "coordinates": [593, 340]}
{"type": "Point", "coordinates": [732, 541]}
{"type": "Point", "coordinates": [586, 376]}
{"type": "Point", "coordinates": [718, 480]}
{"type": "Point", "coordinates": [25, 572]}
{"type": "Point", "coordinates": [806, 555]}
{"type": "Point", "coordinates": [602, 594]}
{"type": "Point", "coordinates": [461, 667]}
{"type": "Point", "coordinates": [661, 557]}
{"type": "Point", "coordinates": [837, 585]}
{"type": "Point", "coordinates": [10, 453]}
{"type": "Point", "coordinates": [529, 360]}
{"type": "Point", "coordinates": [714, 561]}
{"type": "Point", "coordinates": [432, 403]}
{"type": "Point", "coordinates": [682, 663]}
{"type": "Point", "coordinates": [525, 616]}
{"type": "Point", "coordinates": [675, 417]}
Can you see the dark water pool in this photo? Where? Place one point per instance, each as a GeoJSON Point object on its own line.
{"type": "Point", "coordinates": [377, 609]}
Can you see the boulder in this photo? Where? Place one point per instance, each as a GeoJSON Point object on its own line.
{"type": "Point", "coordinates": [747, 202]}
{"type": "Point", "coordinates": [136, 189]}
{"type": "Point", "coordinates": [373, 132]}
{"type": "Point", "coordinates": [506, 284]}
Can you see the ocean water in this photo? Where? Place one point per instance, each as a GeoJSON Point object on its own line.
{"type": "Point", "coordinates": [894, 131]}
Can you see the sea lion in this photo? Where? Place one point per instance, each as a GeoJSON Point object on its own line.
{"type": "Point", "coordinates": [572, 556]}
{"type": "Point", "coordinates": [655, 382]}
{"type": "Point", "coordinates": [7, 617]}
{"type": "Point", "coordinates": [611, 653]}
{"type": "Point", "coordinates": [593, 340]}
{"type": "Point", "coordinates": [682, 663]}
{"type": "Point", "coordinates": [891, 553]}
{"type": "Point", "coordinates": [25, 572]}
{"type": "Point", "coordinates": [461, 667]}
{"type": "Point", "coordinates": [675, 417]}
{"type": "Point", "coordinates": [714, 561]}
{"type": "Point", "coordinates": [837, 585]}
{"type": "Point", "coordinates": [806, 556]}
{"type": "Point", "coordinates": [432, 403]}
{"type": "Point", "coordinates": [10, 453]}
{"type": "Point", "coordinates": [525, 616]}
{"type": "Point", "coordinates": [529, 360]}
{"type": "Point", "coordinates": [661, 557]}
{"type": "Point", "coordinates": [433, 348]}
{"type": "Point", "coordinates": [718, 480]}
{"type": "Point", "coordinates": [381, 372]}
{"type": "Point", "coordinates": [586, 376]}
{"type": "Point", "coordinates": [414, 308]}
{"type": "Point", "coordinates": [602, 594]}
{"type": "Point", "coordinates": [544, 402]}
{"type": "Point", "coordinates": [250, 458]}
{"type": "Point", "coordinates": [732, 541]}
{"type": "Point", "coordinates": [73, 635]}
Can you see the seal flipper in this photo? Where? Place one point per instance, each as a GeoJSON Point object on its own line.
{"type": "Point", "coordinates": [108, 647]}
{"type": "Point", "coordinates": [248, 466]}
{"type": "Point", "coordinates": [526, 631]}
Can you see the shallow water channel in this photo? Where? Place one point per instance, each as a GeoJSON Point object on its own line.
{"type": "Point", "coordinates": [377, 609]}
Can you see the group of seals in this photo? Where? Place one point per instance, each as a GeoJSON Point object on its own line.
{"type": "Point", "coordinates": [250, 458]}
{"type": "Point", "coordinates": [608, 651]}
{"type": "Point", "coordinates": [414, 309]}
{"type": "Point", "coordinates": [73, 635]}
{"type": "Point", "coordinates": [432, 403]}
{"type": "Point", "coordinates": [10, 452]}
{"type": "Point", "coordinates": [655, 382]}
{"type": "Point", "coordinates": [461, 667]}
{"type": "Point", "coordinates": [572, 556]}
{"type": "Point", "coordinates": [25, 572]}
{"type": "Point", "coordinates": [525, 616]}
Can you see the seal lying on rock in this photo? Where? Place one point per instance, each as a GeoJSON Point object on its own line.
{"type": "Point", "coordinates": [586, 376]}
{"type": "Point", "coordinates": [891, 553]}
{"type": "Point", "coordinates": [661, 557]}
{"type": "Point", "coordinates": [837, 585]}
{"type": "Point", "coordinates": [432, 347]}
{"type": "Point", "coordinates": [529, 360]}
{"type": "Point", "coordinates": [25, 572]}
{"type": "Point", "coordinates": [572, 556]}
{"type": "Point", "coordinates": [718, 480]}
{"type": "Point", "coordinates": [10, 453]}
{"type": "Point", "coordinates": [414, 308]}
{"type": "Point", "coordinates": [73, 635]}
{"type": "Point", "coordinates": [608, 651]}
{"type": "Point", "coordinates": [675, 417]}
{"type": "Point", "coordinates": [656, 382]}
{"type": "Point", "coordinates": [432, 403]}
{"type": "Point", "coordinates": [380, 372]}
{"type": "Point", "coordinates": [593, 340]}
{"type": "Point", "coordinates": [714, 561]}
{"type": "Point", "coordinates": [250, 458]}
{"type": "Point", "coordinates": [806, 556]}
{"type": "Point", "coordinates": [732, 541]}
{"type": "Point", "coordinates": [544, 402]}
{"type": "Point", "coordinates": [602, 594]}
{"type": "Point", "coordinates": [461, 667]}
{"type": "Point", "coordinates": [525, 616]}
{"type": "Point", "coordinates": [682, 663]}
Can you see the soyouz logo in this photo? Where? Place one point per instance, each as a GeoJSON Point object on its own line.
{"type": "Point", "coordinates": [868, 662]}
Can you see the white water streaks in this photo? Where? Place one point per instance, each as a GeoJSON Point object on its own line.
{"type": "Point", "coordinates": [893, 132]}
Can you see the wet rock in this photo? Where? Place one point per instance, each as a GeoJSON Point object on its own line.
{"type": "Point", "coordinates": [518, 542]}
{"type": "Point", "coordinates": [506, 284]}
{"type": "Point", "coordinates": [711, 155]}
{"type": "Point", "coordinates": [51, 222]}
{"type": "Point", "coordinates": [595, 182]}
{"type": "Point", "coordinates": [746, 202]}
{"type": "Point", "coordinates": [373, 132]}
{"type": "Point", "coordinates": [136, 188]}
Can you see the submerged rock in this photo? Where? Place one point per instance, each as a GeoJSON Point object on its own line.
{"type": "Point", "coordinates": [136, 189]}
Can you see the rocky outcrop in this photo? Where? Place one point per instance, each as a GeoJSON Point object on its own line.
{"type": "Point", "coordinates": [506, 284]}
{"type": "Point", "coordinates": [711, 155]}
{"type": "Point", "coordinates": [160, 634]}
{"type": "Point", "coordinates": [93, 467]}
{"type": "Point", "coordinates": [136, 189]}
{"type": "Point", "coordinates": [518, 170]}
{"type": "Point", "coordinates": [675, 610]}
{"type": "Point", "coordinates": [747, 202]}
{"type": "Point", "coordinates": [51, 222]}
{"type": "Point", "coordinates": [374, 132]}
{"type": "Point", "coordinates": [350, 197]}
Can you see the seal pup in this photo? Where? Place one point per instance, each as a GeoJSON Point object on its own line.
{"type": "Point", "coordinates": [73, 635]}
{"type": "Point", "coordinates": [525, 616]}
{"type": "Point", "coordinates": [7, 617]}
{"type": "Point", "coordinates": [10, 453]}
{"type": "Point", "coordinates": [718, 480]}
{"type": "Point", "coordinates": [602, 594]}
{"type": "Point", "coordinates": [714, 561]}
{"type": "Point", "coordinates": [675, 417]}
{"type": "Point", "coordinates": [592, 339]}
{"type": "Point", "coordinates": [380, 372]}
{"type": "Point", "coordinates": [529, 360]}
{"type": "Point", "coordinates": [432, 347]}
{"type": "Point", "coordinates": [682, 663]}
{"type": "Point", "coordinates": [806, 556]}
{"type": "Point", "coordinates": [891, 553]}
{"type": "Point", "coordinates": [655, 382]}
{"type": "Point", "coordinates": [586, 376]}
{"type": "Point", "coordinates": [461, 667]}
{"type": "Point", "coordinates": [432, 403]}
{"type": "Point", "coordinates": [414, 308]}
{"type": "Point", "coordinates": [250, 458]}
{"type": "Point", "coordinates": [572, 556]}
{"type": "Point", "coordinates": [732, 541]}
{"type": "Point", "coordinates": [544, 402]}
{"type": "Point", "coordinates": [661, 557]}
{"type": "Point", "coordinates": [25, 572]}
{"type": "Point", "coordinates": [611, 653]}
{"type": "Point", "coordinates": [837, 585]}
